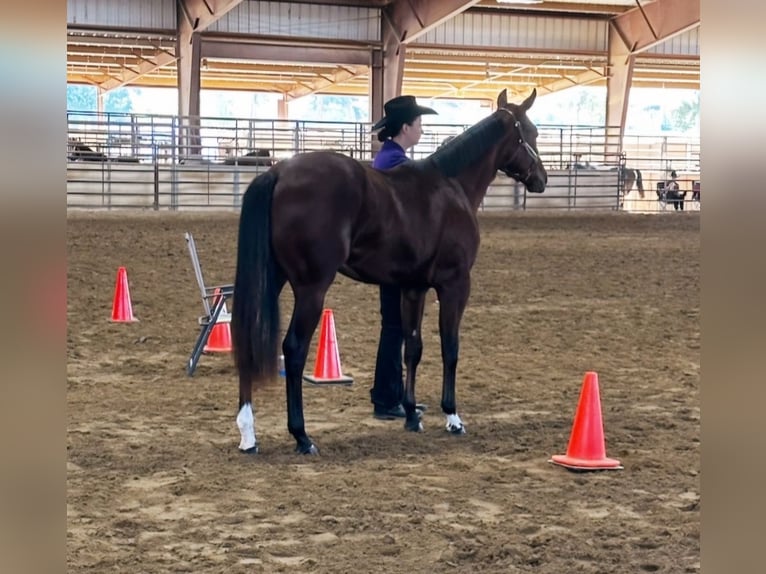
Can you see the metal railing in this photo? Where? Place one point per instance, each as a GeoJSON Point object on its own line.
{"type": "Point", "coordinates": [172, 162]}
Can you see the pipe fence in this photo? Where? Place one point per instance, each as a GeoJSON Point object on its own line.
{"type": "Point", "coordinates": [173, 162]}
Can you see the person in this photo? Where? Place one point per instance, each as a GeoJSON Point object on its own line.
{"type": "Point", "coordinates": [672, 194]}
{"type": "Point", "coordinates": [399, 129]}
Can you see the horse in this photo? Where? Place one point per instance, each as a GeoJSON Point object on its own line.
{"type": "Point", "coordinates": [626, 177]}
{"type": "Point", "coordinates": [82, 152]}
{"type": "Point", "coordinates": [321, 213]}
{"type": "Point", "coordinates": [256, 157]}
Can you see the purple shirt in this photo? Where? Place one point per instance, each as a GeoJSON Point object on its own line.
{"type": "Point", "coordinates": [390, 155]}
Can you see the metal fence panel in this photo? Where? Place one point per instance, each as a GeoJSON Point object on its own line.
{"type": "Point", "coordinates": [171, 162]}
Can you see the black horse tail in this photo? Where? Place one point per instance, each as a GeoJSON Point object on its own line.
{"type": "Point", "coordinates": [639, 182]}
{"type": "Point", "coordinates": [255, 309]}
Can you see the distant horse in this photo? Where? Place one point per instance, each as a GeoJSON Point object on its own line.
{"type": "Point", "coordinates": [82, 152]}
{"type": "Point", "coordinates": [256, 157]}
{"type": "Point", "coordinates": [626, 177]}
{"type": "Point", "coordinates": [415, 226]}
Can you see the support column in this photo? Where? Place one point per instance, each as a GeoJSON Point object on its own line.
{"type": "Point", "coordinates": [376, 101]}
{"type": "Point", "coordinates": [619, 79]}
{"type": "Point", "coordinates": [386, 72]}
{"type": "Point", "coordinates": [282, 108]}
{"type": "Point", "coordinates": [188, 66]}
{"type": "Point", "coordinates": [631, 33]}
{"type": "Point", "coordinates": [393, 58]}
{"type": "Point", "coordinates": [100, 93]}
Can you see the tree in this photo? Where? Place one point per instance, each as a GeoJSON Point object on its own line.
{"type": "Point", "coordinates": [118, 101]}
{"type": "Point", "coordinates": [81, 98]}
{"type": "Point", "coordinates": [685, 116]}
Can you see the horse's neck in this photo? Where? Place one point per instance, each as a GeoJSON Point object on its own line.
{"type": "Point", "coordinates": [476, 178]}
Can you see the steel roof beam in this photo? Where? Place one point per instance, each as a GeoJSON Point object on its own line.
{"type": "Point", "coordinates": [199, 14]}
{"type": "Point", "coordinates": [321, 82]}
{"type": "Point", "coordinates": [145, 66]}
{"type": "Point", "coordinates": [291, 54]}
{"type": "Point", "coordinates": [652, 23]}
{"type": "Point", "coordinates": [413, 18]}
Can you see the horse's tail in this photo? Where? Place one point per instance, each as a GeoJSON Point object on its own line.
{"type": "Point", "coordinates": [255, 309]}
{"type": "Point", "coordinates": [640, 182]}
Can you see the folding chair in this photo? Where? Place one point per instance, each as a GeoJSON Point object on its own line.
{"type": "Point", "coordinates": [213, 301]}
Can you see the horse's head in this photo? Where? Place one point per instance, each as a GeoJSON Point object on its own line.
{"type": "Point", "coordinates": [518, 157]}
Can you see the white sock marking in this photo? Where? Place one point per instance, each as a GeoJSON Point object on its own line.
{"type": "Point", "coordinates": [454, 422]}
{"type": "Point", "coordinates": [246, 424]}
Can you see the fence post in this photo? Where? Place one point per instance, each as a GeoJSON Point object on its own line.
{"type": "Point", "coordinates": [156, 179]}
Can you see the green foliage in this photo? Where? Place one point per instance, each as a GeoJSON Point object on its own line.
{"type": "Point", "coordinates": [81, 98]}
{"type": "Point", "coordinates": [118, 101]}
{"type": "Point", "coordinates": [686, 116]}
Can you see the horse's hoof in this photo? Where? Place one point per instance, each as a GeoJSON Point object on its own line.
{"type": "Point", "coordinates": [251, 450]}
{"type": "Point", "coordinates": [455, 425]}
{"type": "Point", "coordinates": [414, 426]}
{"type": "Point", "coordinates": [311, 449]}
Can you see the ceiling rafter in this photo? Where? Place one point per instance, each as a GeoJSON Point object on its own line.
{"type": "Point", "coordinates": [117, 58]}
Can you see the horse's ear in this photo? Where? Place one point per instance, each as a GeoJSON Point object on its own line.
{"type": "Point", "coordinates": [502, 99]}
{"type": "Point", "coordinates": [526, 104]}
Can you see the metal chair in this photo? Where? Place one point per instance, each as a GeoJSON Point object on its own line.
{"type": "Point", "coordinates": [213, 301]}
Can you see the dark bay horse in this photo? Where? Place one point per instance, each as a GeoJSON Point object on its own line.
{"type": "Point", "coordinates": [320, 213]}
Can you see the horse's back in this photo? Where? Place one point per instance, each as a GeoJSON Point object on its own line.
{"type": "Point", "coordinates": [319, 182]}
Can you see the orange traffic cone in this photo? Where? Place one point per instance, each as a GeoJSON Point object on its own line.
{"type": "Point", "coordinates": [586, 450]}
{"type": "Point", "coordinates": [122, 309]}
{"type": "Point", "coordinates": [327, 369]}
{"type": "Point", "coordinates": [219, 340]}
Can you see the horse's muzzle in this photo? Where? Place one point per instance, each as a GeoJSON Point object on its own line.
{"type": "Point", "coordinates": [536, 183]}
{"type": "Point", "coordinates": [536, 186]}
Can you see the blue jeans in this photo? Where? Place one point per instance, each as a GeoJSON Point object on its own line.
{"type": "Point", "coordinates": [388, 389]}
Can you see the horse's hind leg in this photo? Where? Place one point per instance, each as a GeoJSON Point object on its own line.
{"type": "Point", "coordinates": [306, 314]}
{"type": "Point", "coordinates": [413, 303]}
{"type": "Point", "coordinates": [452, 302]}
{"type": "Point", "coordinates": [245, 416]}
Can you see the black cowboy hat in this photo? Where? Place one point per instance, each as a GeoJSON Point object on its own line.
{"type": "Point", "coordinates": [401, 109]}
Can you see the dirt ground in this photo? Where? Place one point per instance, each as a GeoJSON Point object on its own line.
{"type": "Point", "coordinates": [156, 484]}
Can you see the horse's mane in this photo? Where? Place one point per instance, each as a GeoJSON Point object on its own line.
{"type": "Point", "coordinates": [462, 151]}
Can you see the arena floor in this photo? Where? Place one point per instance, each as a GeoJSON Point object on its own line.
{"type": "Point", "coordinates": [156, 484]}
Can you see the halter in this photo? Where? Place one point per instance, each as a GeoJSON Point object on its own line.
{"type": "Point", "coordinates": [524, 145]}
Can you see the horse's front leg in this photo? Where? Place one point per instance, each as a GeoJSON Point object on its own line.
{"type": "Point", "coordinates": [452, 302]}
{"type": "Point", "coordinates": [306, 313]}
{"type": "Point", "coordinates": [413, 303]}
